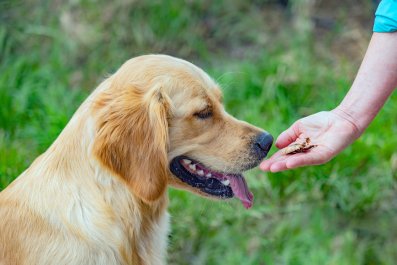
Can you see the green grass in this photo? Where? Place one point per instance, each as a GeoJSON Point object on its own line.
{"type": "Point", "coordinates": [272, 71]}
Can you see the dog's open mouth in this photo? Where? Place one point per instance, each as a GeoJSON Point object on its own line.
{"type": "Point", "coordinates": [219, 184]}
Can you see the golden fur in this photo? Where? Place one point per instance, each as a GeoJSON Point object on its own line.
{"type": "Point", "coordinates": [98, 194]}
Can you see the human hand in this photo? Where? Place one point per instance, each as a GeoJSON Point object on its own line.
{"type": "Point", "coordinates": [331, 132]}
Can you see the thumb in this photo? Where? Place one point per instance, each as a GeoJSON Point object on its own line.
{"type": "Point", "coordinates": [288, 136]}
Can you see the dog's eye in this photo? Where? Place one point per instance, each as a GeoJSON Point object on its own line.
{"type": "Point", "coordinates": [203, 114]}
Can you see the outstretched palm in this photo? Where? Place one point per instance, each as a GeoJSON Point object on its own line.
{"type": "Point", "coordinates": [329, 130]}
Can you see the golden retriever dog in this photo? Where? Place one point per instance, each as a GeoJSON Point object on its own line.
{"type": "Point", "coordinates": [98, 194]}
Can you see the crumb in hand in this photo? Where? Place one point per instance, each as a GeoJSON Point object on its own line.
{"type": "Point", "coordinates": [298, 147]}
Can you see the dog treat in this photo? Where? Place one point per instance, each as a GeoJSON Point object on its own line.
{"type": "Point", "coordinates": [298, 147]}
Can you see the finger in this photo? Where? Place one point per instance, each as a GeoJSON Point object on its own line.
{"type": "Point", "coordinates": [288, 136]}
{"type": "Point", "coordinates": [306, 159]}
{"type": "Point", "coordinates": [278, 166]}
{"type": "Point", "coordinates": [266, 164]}
{"type": "Point", "coordinates": [297, 160]}
{"type": "Point", "coordinates": [285, 164]}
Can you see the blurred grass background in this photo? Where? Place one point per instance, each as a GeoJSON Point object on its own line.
{"type": "Point", "coordinates": [276, 62]}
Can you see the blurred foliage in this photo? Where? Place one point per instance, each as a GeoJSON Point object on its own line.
{"type": "Point", "coordinates": [276, 64]}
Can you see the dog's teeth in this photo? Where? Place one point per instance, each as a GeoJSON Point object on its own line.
{"type": "Point", "coordinates": [186, 161]}
{"type": "Point", "coordinates": [200, 173]}
{"type": "Point", "coordinates": [208, 175]}
{"type": "Point", "coordinates": [226, 182]}
{"type": "Point", "coordinates": [192, 167]}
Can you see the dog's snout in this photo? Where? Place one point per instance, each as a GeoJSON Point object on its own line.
{"type": "Point", "coordinates": [262, 144]}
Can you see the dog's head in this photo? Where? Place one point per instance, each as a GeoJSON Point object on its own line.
{"type": "Point", "coordinates": [161, 121]}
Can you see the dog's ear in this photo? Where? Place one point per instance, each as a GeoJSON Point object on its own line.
{"type": "Point", "coordinates": [132, 137]}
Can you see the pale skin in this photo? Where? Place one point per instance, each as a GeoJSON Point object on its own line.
{"type": "Point", "coordinates": [332, 131]}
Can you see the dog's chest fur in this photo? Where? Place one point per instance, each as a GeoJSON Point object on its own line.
{"type": "Point", "coordinates": [79, 214]}
{"type": "Point", "coordinates": [120, 228]}
{"type": "Point", "coordinates": [106, 225]}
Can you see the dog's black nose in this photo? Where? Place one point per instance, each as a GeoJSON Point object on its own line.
{"type": "Point", "coordinates": [262, 144]}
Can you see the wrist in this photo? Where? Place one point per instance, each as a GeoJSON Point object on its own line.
{"type": "Point", "coordinates": [351, 117]}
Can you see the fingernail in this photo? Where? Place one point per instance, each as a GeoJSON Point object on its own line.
{"type": "Point", "coordinates": [274, 169]}
{"type": "Point", "coordinates": [263, 167]}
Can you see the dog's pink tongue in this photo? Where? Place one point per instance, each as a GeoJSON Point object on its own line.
{"type": "Point", "coordinates": [241, 191]}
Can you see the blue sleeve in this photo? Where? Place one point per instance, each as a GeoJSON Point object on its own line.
{"type": "Point", "coordinates": [386, 16]}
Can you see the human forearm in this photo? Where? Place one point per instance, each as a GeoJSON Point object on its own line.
{"type": "Point", "coordinates": [332, 131]}
{"type": "Point", "coordinates": [375, 81]}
